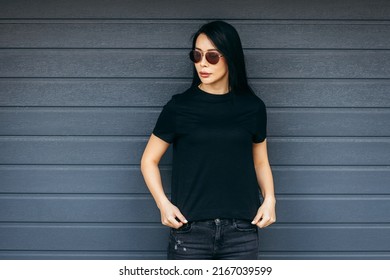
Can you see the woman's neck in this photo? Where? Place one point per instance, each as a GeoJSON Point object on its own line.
{"type": "Point", "coordinates": [215, 89]}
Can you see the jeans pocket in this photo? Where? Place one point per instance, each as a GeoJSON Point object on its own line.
{"type": "Point", "coordinates": [183, 229]}
{"type": "Point", "coordinates": [244, 225]}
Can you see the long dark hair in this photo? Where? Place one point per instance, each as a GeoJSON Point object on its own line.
{"type": "Point", "coordinates": [225, 37]}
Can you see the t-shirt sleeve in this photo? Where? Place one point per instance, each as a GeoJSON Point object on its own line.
{"type": "Point", "coordinates": [260, 132]}
{"type": "Point", "coordinates": [165, 125]}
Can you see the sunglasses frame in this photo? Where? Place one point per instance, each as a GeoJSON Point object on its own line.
{"type": "Point", "coordinates": [192, 57]}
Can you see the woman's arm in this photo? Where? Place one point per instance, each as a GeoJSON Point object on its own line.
{"type": "Point", "coordinates": [153, 152]}
{"type": "Point", "coordinates": [266, 214]}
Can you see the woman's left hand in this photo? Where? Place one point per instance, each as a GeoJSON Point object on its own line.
{"type": "Point", "coordinates": [266, 214]}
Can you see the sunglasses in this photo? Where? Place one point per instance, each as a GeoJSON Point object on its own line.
{"type": "Point", "coordinates": [212, 56]}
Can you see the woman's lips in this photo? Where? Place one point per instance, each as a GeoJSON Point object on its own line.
{"type": "Point", "coordinates": [204, 74]}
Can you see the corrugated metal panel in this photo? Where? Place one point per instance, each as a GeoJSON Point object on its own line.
{"type": "Point", "coordinates": [146, 34]}
{"type": "Point", "coordinates": [80, 90]}
{"type": "Point", "coordinates": [128, 150]}
{"type": "Point", "coordinates": [136, 63]}
{"type": "Point", "coordinates": [113, 208]}
{"type": "Point", "coordinates": [335, 93]}
{"type": "Point", "coordinates": [183, 9]}
{"type": "Point", "coordinates": [116, 179]}
{"type": "Point", "coordinates": [140, 121]}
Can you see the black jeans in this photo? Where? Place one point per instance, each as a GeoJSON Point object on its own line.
{"type": "Point", "coordinates": [221, 239]}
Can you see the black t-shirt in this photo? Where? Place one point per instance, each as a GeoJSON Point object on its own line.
{"type": "Point", "coordinates": [213, 174]}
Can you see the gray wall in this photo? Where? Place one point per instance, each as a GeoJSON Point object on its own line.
{"type": "Point", "coordinates": [82, 84]}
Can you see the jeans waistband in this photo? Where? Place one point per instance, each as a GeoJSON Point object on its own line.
{"type": "Point", "coordinates": [219, 221]}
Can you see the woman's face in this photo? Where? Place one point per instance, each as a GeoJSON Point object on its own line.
{"type": "Point", "coordinates": [212, 76]}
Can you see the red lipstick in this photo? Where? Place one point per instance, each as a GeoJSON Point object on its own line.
{"type": "Point", "coordinates": [204, 74]}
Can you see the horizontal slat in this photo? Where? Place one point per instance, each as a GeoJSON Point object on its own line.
{"type": "Point", "coordinates": [111, 121]}
{"type": "Point", "coordinates": [156, 92]}
{"type": "Point", "coordinates": [158, 63]}
{"type": "Point", "coordinates": [120, 208]}
{"type": "Point", "coordinates": [274, 239]}
{"type": "Point", "coordinates": [90, 92]}
{"type": "Point", "coordinates": [364, 255]}
{"type": "Point", "coordinates": [323, 93]}
{"type": "Point", "coordinates": [76, 179]}
{"type": "Point", "coordinates": [329, 151]}
{"type": "Point", "coordinates": [161, 255]}
{"type": "Point", "coordinates": [331, 180]}
{"type": "Point", "coordinates": [176, 34]}
{"type": "Point", "coordinates": [140, 121]}
{"type": "Point", "coordinates": [326, 238]}
{"type": "Point", "coordinates": [80, 237]}
{"type": "Point", "coordinates": [128, 150]}
{"type": "Point", "coordinates": [73, 150]}
{"type": "Point", "coordinates": [262, 9]}
{"type": "Point", "coordinates": [129, 180]}
{"type": "Point", "coordinates": [333, 209]}
{"type": "Point", "coordinates": [328, 122]}
{"type": "Point", "coordinates": [93, 63]}
{"type": "Point", "coordinates": [77, 208]}
{"type": "Point", "coordinates": [81, 255]}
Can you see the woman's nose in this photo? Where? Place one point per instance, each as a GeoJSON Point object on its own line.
{"type": "Point", "coordinates": [203, 61]}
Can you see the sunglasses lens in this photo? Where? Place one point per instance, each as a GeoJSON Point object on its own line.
{"type": "Point", "coordinates": [212, 57]}
{"type": "Point", "coordinates": [195, 56]}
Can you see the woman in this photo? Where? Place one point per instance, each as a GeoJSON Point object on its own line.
{"type": "Point", "coordinates": [218, 131]}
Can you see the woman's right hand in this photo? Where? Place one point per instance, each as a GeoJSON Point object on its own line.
{"type": "Point", "coordinates": [169, 213]}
